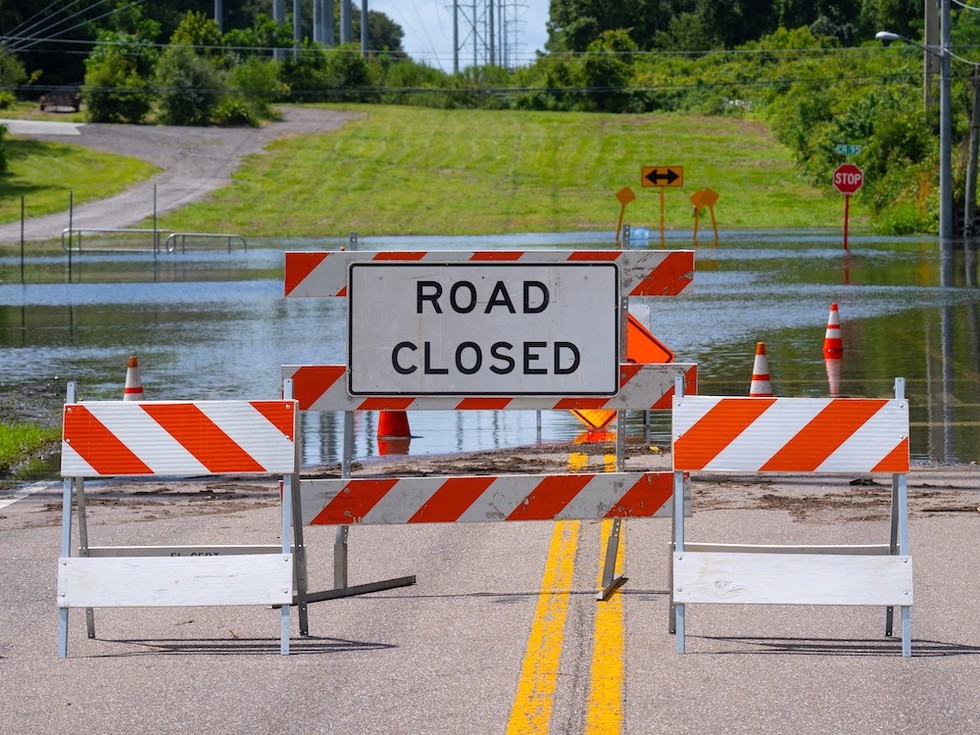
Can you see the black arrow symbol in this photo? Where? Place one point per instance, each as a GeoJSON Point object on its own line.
{"type": "Point", "coordinates": [655, 176]}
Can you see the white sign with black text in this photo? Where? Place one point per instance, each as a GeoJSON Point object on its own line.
{"type": "Point", "coordinates": [483, 328]}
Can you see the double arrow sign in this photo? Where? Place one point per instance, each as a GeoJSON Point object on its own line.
{"type": "Point", "coordinates": [662, 176]}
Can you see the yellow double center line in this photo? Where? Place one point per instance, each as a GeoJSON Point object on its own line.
{"type": "Point", "coordinates": [534, 701]}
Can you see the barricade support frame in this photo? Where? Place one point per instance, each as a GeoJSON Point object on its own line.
{"type": "Point", "coordinates": [870, 574]}
{"type": "Point", "coordinates": [115, 576]}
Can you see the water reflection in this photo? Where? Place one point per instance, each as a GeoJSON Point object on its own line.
{"type": "Point", "coordinates": [215, 325]}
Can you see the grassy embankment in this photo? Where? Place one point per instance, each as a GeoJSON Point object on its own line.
{"type": "Point", "coordinates": [46, 174]}
{"type": "Point", "coordinates": [415, 171]}
{"type": "Point", "coordinates": [20, 441]}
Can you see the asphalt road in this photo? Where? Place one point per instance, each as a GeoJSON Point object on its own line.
{"type": "Point", "coordinates": [450, 654]}
{"type": "Point", "coordinates": [194, 162]}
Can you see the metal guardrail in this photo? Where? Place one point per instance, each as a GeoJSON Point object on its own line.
{"type": "Point", "coordinates": [170, 244]}
{"type": "Point", "coordinates": [157, 240]}
{"type": "Point", "coordinates": [72, 239]}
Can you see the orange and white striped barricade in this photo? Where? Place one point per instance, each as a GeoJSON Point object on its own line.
{"type": "Point", "coordinates": [644, 272]}
{"type": "Point", "coordinates": [330, 274]}
{"type": "Point", "coordinates": [794, 435]}
{"type": "Point", "coordinates": [347, 501]}
{"type": "Point", "coordinates": [175, 438]}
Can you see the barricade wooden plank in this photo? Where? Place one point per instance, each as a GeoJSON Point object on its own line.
{"type": "Point", "coordinates": [258, 579]}
{"type": "Point", "coordinates": [858, 549]}
{"type": "Point", "coordinates": [324, 388]}
{"type": "Point", "coordinates": [485, 498]}
{"type": "Point", "coordinates": [200, 550]}
{"type": "Point", "coordinates": [642, 272]}
{"type": "Point", "coordinates": [792, 579]}
{"type": "Point", "coordinates": [109, 438]}
{"type": "Point", "coordinates": [715, 434]}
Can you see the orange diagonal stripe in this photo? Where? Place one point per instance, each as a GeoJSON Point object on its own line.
{"type": "Point", "coordinates": [400, 255]}
{"type": "Point", "coordinates": [98, 446]}
{"type": "Point", "coordinates": [552, 494]}
{"type": "Point", "coordinates": [352, 503]}
{"type": "Point", "coordinates": [646, 497]}
{"type": "Point", "coordinates": [497, 255]}
{"type": "Point", "coordinates": [298, 267]}
{"type": "Point", "coordinates": [820, 438]}
{"type": "Point", "coordinates": [312, 381]}
{"type": "Point", "coordinates": [897, 460]}
{"type": "Point", "coordinates": [200, 436]}
{"type": "Point", "coordinates": [279, 414]}
{"type": "Point", "coordinates": [451, 500]}
{"type": "Point", "coordinates": [476, 403]}
{"type": "Point", "coordinates": [716, 430]}
{"type": "Point", "coordinates": [670, 277]}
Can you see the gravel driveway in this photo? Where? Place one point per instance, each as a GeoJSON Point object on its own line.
{"type": "Point", "coordinates": [195, 162]}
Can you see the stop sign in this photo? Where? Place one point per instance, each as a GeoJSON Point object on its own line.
{"type": "Point", "coordinates": [848, 178]}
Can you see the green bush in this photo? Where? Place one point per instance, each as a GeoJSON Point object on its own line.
{"type": "Point", "coordinates": [7, 100]}
{"type": "Point", "coordinates": [234, 113]}
{"type": "Point", "coordinates": [114, 91]}
{"type": "Point", "coordinates": [189, 87]}
{"type": "Point", "coordinates": [255, 84]}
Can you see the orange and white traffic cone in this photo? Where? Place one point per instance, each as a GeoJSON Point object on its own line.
{"type": "Point", "coordinates": [761, 385]}
{"type": "Point", "coordinates": [833, 345]}
{"type": "Point", "coordinates": [134, 386]}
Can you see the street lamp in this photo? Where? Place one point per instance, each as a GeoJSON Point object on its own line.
{"type": "Point", "coordinates": [945, 119]}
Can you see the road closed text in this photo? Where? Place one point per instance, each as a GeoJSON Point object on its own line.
{"type": "Point", "coordinates": [490, 329]}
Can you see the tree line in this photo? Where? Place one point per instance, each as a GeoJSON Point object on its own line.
{"type": "Point", "coordinates": [811, 70]}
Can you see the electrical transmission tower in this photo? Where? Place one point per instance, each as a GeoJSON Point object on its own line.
{"type": "Point", "coordinates": [487, 31]}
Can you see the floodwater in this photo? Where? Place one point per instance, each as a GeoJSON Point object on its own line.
{"type": "Point", "coordinates": [212, 324]}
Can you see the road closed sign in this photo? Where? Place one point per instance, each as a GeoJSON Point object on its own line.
{"type": "Point", "coordinates": [502, 329]}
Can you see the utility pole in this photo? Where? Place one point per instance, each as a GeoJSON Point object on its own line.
{"type": "Point", "coordinates": [946, 225]}
{"type": "Point", "coordinates": [364, 28]}
{"type": "Point", "coordinates": [930, 56]}
{"type": "Point", "coordinates": [970, 207]}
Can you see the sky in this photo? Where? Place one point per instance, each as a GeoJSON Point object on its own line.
{"type": "Point", "coordinates": [428, 26]}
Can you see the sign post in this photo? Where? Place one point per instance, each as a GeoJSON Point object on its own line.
{"type": "Point", "coordinates": [848, 178]}
{"type": "Point", "coordinates": [662, 177]}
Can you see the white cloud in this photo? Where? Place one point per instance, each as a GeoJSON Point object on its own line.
{"type": "Point", "coordinates": [428, 26]}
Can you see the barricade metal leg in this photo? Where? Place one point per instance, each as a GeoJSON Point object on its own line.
{"type": "Point", "coordinates": [677, 611]}
{"type": "Point", "coordinates": [892, 549]}
{"type": "Point", "coordinates": [299, 564]}
{"type": "Point", "coordinates": [66, 502]}
{"type": "Point", "coordinates": [287, 542]}
{"type": "Point", "coordinates": [610, 582]}
{"type": "Point", "coordinates": [340, 558]}
{"type": "Point", "coordinates": [83, 544]}
{"type": "Point", "coordinates": [903, 543]}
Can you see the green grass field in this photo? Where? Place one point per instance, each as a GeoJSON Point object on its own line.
{"type": "Point", "coordinates": [416, 171]}
{"type": "Point", "coordinates": [46, 174]}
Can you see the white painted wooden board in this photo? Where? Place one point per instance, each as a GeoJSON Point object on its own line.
{"type": "Point", "coordinates": [792, 579]}
{"type": "Point", "coordinates": [261, 579]}
{"type": "Point", "coordinates": [853, 549]}
{"type": "Point", "coordinates": [174, 551]}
